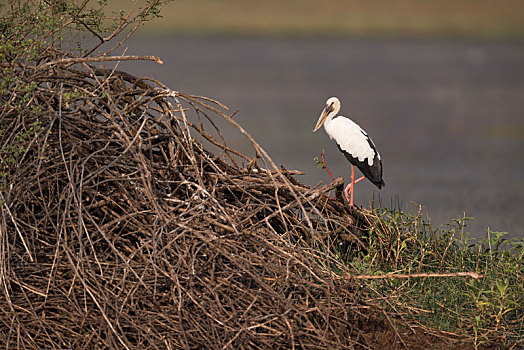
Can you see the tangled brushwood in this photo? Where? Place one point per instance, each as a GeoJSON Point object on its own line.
{"type": "Point", "coordinates": [127, 222]}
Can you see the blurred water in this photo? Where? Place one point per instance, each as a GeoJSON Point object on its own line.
{"type": "Point", "coordinates": [446, 116]}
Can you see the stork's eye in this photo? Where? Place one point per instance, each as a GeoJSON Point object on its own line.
{"type": "Point", "coordinates": [329, 108]}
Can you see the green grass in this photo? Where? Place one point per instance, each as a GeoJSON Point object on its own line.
{"type": "Point", "coordinates": [488, 311]}
{"type": "Point", "coordinates": [384, 18]}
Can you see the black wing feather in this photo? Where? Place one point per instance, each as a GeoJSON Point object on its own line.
{"type": "Point", "coordinates": [372, 172]}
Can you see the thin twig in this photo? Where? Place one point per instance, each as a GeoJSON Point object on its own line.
{"type": "Point", "coordinates": [325, 166]}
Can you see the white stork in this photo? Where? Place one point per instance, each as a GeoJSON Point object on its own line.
{"type": "Point", "coordinates": [354, 143]}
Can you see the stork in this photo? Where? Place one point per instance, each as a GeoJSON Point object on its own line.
{"type": "Point", "coordinates": [354, 143]}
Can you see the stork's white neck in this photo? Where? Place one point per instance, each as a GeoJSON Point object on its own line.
{"type": "Point", "coordinates": [332, 114]}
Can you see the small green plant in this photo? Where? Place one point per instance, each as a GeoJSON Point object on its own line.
{"type": "Point", "coordinates": [318, 163]}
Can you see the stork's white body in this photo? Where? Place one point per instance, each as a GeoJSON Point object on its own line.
{"type": "Point", "coordinates": [351, 138]}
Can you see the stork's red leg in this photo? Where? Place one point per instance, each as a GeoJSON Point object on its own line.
{"type": "Point", "coordinates": [346, 191]}
{"type": "Point", "coordinates": [359, 179]}
{"type": "Point", "coordinates": [351, 186]}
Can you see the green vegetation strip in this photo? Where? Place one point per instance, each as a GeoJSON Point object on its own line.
{"type": "Point", "coordinates": [354, 18]}
{"type": "Point", "coordinates": [404, 248]}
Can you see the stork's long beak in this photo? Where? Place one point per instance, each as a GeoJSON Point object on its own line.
{"type": "Point", "coordinates": [323, 116]}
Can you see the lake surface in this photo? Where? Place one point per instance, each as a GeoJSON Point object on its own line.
{"type": "Point", "coordinates": [446, 116]}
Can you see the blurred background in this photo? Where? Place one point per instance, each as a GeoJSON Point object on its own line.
{"type": "Point", "coordinates": [437, 84]}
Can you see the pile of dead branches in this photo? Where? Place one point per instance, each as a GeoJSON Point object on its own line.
{"type": "Point", "coordinates": [128, 223]}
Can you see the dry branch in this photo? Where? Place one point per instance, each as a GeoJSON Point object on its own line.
{"type": "Point", "coordinates": [69, 61]}
{"type": "Point", "coordinates": [415, 275]}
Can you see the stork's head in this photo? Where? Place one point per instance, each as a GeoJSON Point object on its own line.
{"type": "Point", "coordinates": [331, 110]}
